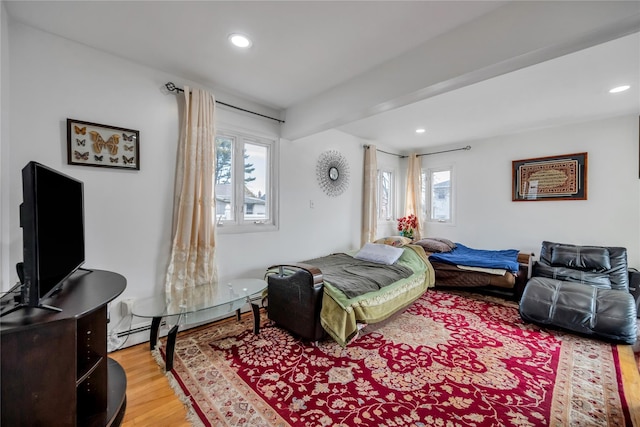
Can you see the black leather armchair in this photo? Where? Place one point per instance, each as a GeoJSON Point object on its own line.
{"type": "Point", "coordinates": [295, 299]}
{"type": "Point", "coordinates": [584, 289]}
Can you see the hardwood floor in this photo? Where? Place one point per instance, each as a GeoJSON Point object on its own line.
{"type": "Point", "coordinates": [150, 399]}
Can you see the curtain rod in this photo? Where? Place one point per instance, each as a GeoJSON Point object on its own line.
{"type": "Point", "coordinates": [385, 152]}
{"type": "Point", "coordinates": [173, 88]}
{"type": "Point", "coordinates": [468, 147]}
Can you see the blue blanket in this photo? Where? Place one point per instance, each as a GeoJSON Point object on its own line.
{"type": "Point", "coordinates": [462, 255]}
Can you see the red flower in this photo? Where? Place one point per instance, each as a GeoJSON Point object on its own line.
{"type": "Point", "coordinates": [407, 223]}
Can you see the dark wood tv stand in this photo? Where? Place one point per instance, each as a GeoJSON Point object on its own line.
{"type": "Point", "coordinates": [54, 365]}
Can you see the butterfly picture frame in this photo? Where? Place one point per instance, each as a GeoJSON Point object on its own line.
{"type": "Point", "coordinates": [94, 144]}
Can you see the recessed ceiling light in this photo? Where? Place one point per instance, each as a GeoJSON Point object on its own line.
{"type": "Point", "coordinates": [421, 130]}
{"type": "Point", "coordinates": [240, 40]}
{"type": "Point", "coordinates": [619, 89]}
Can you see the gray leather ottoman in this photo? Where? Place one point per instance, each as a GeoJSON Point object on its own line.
{"type": "Point", "coordinates": [604, 313]}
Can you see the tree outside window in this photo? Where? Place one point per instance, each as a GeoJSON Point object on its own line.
{"type": "Point", "coordinates": [244, 184]}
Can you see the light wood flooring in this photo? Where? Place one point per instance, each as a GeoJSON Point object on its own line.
{"type": "Point", "coordinates": [150, 399]}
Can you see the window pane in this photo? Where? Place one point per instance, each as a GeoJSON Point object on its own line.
{"type": "Point", "coordinates": [255, 182]}
{"type": "Point", "coordinates": [424, 181]}
{"type": "Point", "coordinates": [441, 195]}
{"type": "Point", "coordinates": [224, 180]}
{"type": "Point", "coordinates": [245, 182]}
{"type": "Point", "coordinates": [385, 196]}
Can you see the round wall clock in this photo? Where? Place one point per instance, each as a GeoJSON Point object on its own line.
{"type": "Point", "coordinates": [332, 171]}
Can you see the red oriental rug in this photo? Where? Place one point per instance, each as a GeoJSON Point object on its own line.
{"type": "Point", "coordinates": [448, 360]}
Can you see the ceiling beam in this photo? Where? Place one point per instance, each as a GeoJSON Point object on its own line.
{"type": "Point", "coordinates": [512, 37]}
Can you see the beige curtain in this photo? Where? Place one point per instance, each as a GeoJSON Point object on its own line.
{"type": "Point", "coordinates": [413, 196]}
{"type": "Point", "coordinates": [192, 261]}
{"type": "Point", "coordinates": [370, 196]}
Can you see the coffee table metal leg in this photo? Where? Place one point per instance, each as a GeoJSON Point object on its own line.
{"type": "Point", "coordinates": [171, 345]}
{"type": "Point", "coordinates": [256, 318]}
{"type": "Point", "coordinates": [238, 315]}
{"type": "Point", "coordinates": [153, 337]}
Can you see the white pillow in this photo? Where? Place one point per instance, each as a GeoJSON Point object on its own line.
{"type": "Point", "coordinates": [382, 254]}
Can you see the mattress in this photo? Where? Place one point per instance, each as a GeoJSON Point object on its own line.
{"type": "Point", "coordinates": [451, 275]}
{"type": "Point", "coordinates": [342, 317]}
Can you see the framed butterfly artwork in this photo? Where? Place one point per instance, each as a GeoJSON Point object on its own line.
{"type": "Point", "coordinates": [93, 144]}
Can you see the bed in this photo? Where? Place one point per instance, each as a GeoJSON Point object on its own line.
{"type": "Point", "coordinates": [315, 297]}
{"type": "Point", "coordinates": [504, 272]}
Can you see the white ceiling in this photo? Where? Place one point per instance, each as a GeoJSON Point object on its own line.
{"type": "Point", "coordinates": [305, 48]}
{"type": "Point", "coordinates": [299, 48]}
{"type": "Point", "coordinates": [565, 90]}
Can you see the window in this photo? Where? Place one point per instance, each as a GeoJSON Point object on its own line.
{"type": "Point", "coordinates": [437, 194]}
{"type": "Point", "coordinates": [245, 182]}
{"type": "Point", "coordinates": [386, 196]}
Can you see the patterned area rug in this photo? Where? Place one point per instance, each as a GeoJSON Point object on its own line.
{"type": "Point", "coordinates": [448, 360]}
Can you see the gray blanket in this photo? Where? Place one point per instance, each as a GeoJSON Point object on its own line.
{"type": "Point", "coordinates": [355, 277]}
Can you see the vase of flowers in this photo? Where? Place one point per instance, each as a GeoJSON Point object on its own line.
{"type": "Point", "coordinates": [407, 225]}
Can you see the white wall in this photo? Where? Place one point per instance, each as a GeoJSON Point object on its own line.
{"type": "Point", "coordinates": [4, 146]}
{"type": "Point", "coordinates": [128, 213]}
{"type": "Point", "coordinates": [487, 218]}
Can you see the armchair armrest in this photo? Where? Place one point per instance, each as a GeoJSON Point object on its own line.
{"type": "Point", "coordinates": [526, 264]}
{"type": "Point", "coordinates": [634, 288]}
{"type": "Point", "coordinates": [312, 270]}
{"type": "Point", "coordinates": [525, 271]}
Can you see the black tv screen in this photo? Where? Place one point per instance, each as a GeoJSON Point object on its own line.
{"type": "Point", "coordinates": [52, 221]}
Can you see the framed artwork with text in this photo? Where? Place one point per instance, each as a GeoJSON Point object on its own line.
{"type": "Point", "coordinates": [550, 178]}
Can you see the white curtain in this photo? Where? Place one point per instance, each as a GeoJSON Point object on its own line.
{"type": "Point", "coordinates": [370, 196]}
{"type": "Point", "coordinates": [192, 261]}
{"type": "Point", "coordinates": [413, 198]}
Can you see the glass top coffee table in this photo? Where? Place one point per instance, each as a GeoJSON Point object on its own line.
{"type": "Point", "coordinates": [198, 305]}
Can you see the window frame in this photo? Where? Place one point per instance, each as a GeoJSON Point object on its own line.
{"type": "Point", "coordinates": [392, 204]}
{"type": "Point", "coordinates": [238, 223]}
{"type": "Point", "coordinates": [427, 174]}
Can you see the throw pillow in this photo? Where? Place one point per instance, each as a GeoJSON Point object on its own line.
{"type": "Point", "coordinates": [581, 257]}
{"type": "Point", "coordinates": [445, 241]}
{"type": "Point", "coordinates": [379, 253]}
{"type": "Point", "coordinates": [397, 241]}
{"type": "Point", "coordinates": [432, 245]}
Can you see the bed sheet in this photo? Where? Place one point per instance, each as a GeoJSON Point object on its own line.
{"type": "Point", "coordinates": [463, 255]}
{"type": "Point", "coordinates": [341, 316]}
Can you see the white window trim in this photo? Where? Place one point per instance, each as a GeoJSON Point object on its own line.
{"type": "Point", "coordinates": [452, 201]}
{"type": "Point", "coordinates": [238, 225]}
{"type": "Point", "coordinates": [393, 202]}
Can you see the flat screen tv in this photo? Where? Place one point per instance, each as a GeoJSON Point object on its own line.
{"type": "Point", "coordinates": [52, 221]}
